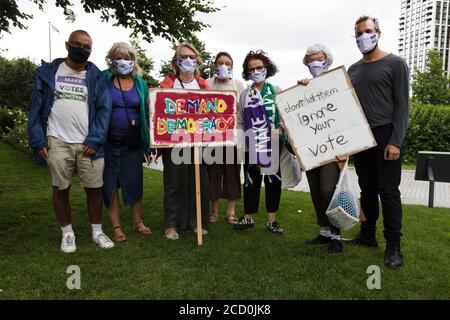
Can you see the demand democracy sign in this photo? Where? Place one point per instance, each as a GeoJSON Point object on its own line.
{"type": "Point", "coordinates": [324, 119]}
{"type": "Point", "coordinates": [192, 118]}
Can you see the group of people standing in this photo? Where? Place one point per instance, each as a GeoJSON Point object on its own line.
{"type": "Point", "coordinates": [97, 124]}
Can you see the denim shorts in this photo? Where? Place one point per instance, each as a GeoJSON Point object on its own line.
{"type": "Point", "coordinates": [123, 168]}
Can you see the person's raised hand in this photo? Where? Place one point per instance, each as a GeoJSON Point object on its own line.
{"type": "Point", "coordinates": [303, 82]}
{"type": "Point", "coordinates": [341, 158]}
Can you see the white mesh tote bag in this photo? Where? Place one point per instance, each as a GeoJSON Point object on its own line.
{"type": "Point", "coordinates": [343, 211]}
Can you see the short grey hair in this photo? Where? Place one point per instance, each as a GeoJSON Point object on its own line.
{"type": "Point", "coordinates": [128, 52]}
{"type": "Point", "coordinates": [317, 48]}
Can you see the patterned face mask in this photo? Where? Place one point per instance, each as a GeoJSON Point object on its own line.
{"type": "Point", "coordinates": [187, 65]}
{"type": "Point", "coordinates": [259, 76]}
{"type": "Point", "coordinates": [124, 67]}
{"type": "Point", "coordinates": [367, 42]}
{"type": "Point", "coordinates": [224, 72]}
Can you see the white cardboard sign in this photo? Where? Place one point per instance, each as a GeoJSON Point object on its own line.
{"type": "Point", "coordinates": [324, 119]}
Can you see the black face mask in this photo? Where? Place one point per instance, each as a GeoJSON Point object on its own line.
{"type": "Point", "coordinates": [78, 55]}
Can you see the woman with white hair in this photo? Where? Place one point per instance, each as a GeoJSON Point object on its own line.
{"type": "Point", "coordinates": [322, 181]}
{"type": "Point", "coordinates": [128, 137]}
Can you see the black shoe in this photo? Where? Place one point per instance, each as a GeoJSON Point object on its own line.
{"type": "Point", "coordinates": [274, 227]}
{"type": "Point", "coordinates": [320, 239]}
{"type": "Point", "coordinates": [335, 247]}
{"type": "Point", "coordinates": [244, 224]}
{"type": "Point", "coordinates": [393, 257]}
{"type": "Point", "coordinates": [363, 240]}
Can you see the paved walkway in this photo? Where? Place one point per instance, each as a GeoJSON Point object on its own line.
{"type": "Point", "coordinates": [413, 192]}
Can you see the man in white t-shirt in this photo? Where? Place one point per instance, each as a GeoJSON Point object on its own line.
{"type": "Point", "coordinates": [68, 123]}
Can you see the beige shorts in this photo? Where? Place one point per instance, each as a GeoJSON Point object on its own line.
{"type": "Point", "coordinates": [65, 159]}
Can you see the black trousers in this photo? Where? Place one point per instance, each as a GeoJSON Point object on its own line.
{"type": "Point", "coordinates": [180, 193]}
{"type": "Point", "coordinates": [252, 191]}
{"type": "Point", "coordinates": [322, 184]}
{"type": "Point", "coordinates": [380, 178]}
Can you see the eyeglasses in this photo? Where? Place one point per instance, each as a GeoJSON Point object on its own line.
{"type": "Point", "coordinates": [259, 68]}
{"type": "Point", "coordinates": [190, 56]}
{"type": "Point", "coordinates": [79, 45]}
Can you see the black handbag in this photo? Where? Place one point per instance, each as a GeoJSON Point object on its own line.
{"type": "Point", "coordinates": [134, 140]}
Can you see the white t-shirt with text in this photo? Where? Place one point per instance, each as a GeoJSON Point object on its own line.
{"type": "Point", "coordinates": [69, 117]}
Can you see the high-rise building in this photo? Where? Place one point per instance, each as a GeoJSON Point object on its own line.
{"type": "Point", "coordinates": [424, 25]}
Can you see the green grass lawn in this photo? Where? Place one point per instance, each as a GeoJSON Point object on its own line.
{"type": "Point", "coordinates": [231, 265]}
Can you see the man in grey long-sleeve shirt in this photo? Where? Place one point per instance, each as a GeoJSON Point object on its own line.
{"type": "Point", "coordinates": [381, 81]}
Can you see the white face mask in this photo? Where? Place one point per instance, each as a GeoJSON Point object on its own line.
{"type": "Point", "coordinates": [367, 42]}
{"type": "Point", "coordinates": [224, 72]}
{"type": "Point", "coordinates": [259, 76]}
{"type": "Point", "coordinates": [187, 65]}
{"type": "Point", "coordinates": [124, 67]}
{"type": "Point", "coordinates": [316, 68]}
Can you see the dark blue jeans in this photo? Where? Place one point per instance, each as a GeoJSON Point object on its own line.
{"type": "Point", "coordinates": [380, 178]}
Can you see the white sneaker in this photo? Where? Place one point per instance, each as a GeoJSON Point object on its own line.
{"type": "Point", "coordinates": [204, 232]}
{"type": "Point", "coordinates": [68, 243]}
{"type": "Point", "coordinates": [103, 241]}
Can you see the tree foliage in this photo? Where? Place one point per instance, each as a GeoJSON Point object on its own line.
{"type": "Point", "coordinates": [146, 64]}
{"type": "Point", "coordinates": [433, 85]}
{"type": "Point", "coordinates": [16, 82]}
{"type": "Point", "coordinates": [206, 70]}
{"type": "Point", "coordinates": [170, 19]}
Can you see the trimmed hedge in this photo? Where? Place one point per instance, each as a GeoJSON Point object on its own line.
{"type": "Point", "coordinates": [428, 130]}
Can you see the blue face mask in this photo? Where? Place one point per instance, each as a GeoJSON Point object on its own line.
{"type": "Point", "coordinates": [316, 68]}
{"type": "Point", "coordinates": [124, 67]}
{"type": "Point", "coordinates": [259, 76]}
{"type": "Point", "coordinates": [187, 65]}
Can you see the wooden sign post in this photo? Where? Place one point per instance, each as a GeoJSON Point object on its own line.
{"type": "Point", "coordinates": [324, 119]}
{"type": "Point", "coordinates": [193, 118]}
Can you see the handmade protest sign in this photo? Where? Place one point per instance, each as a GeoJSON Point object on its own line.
{"type": "Point", "coordinates": [192, 118]}
{"type": "Point", "coordinates": [324, 119]}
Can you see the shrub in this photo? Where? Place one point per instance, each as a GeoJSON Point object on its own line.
{"type": "Point", "coordinates": [16, 83]}
{"type": "Point", "coordinates": [17, 135]}
{"type": "Point", "coordinates": [428, 130]}
{"type": "Point", "coordinates": [6, 119]}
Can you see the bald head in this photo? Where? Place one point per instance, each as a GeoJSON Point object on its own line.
{"type": "Point", "coordinates": [77, 33]}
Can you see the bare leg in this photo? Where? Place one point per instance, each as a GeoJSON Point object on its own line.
{"type": "Point", "coordinates": [231, 212]}
{"type": "Point", "coordinates": [139, 226]}
{"type": "Point", "coordinates": [231, 208]}
{"type": "Point", "coordinates": [214, 215]}
{"type": "Point", "coordinates": [271, 217]}
{"type": "Point", "coordinates": [114, 217]}
{"type": "Point", "coordinates": [95, 205]}
{"type": "Point", "coordinates": [61, 206]}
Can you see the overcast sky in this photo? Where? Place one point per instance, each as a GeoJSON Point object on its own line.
{"type": "Point", "coordinates": [283, 28]}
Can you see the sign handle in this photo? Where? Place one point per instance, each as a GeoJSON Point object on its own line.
{"type": "Point", "coordinates": [198, 196]}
